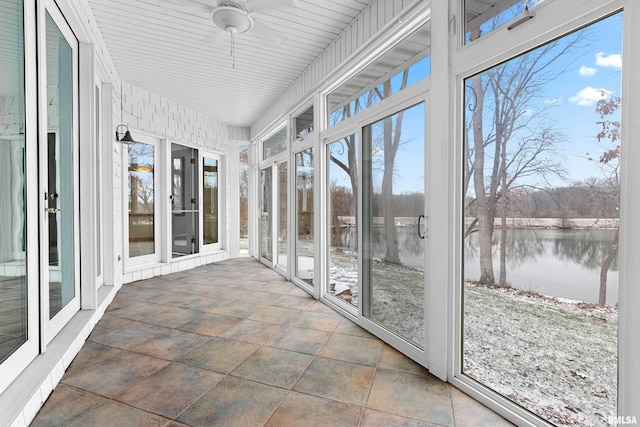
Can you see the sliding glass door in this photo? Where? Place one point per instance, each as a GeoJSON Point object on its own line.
{"type": "Point", "coordinates": [274, 221]}
{"type": "Point", "coordinates": [266, 214]}
{"type": "Point", "coordinates": [343, 206]}
{"type": "Point", "coordinates": [18, 279]}
{"type": "Point", "coordinates": [304, 161]}
{"type": "Point", "coordinates": [58, 168]}
{"type": "Point", "coordinates": [282, 221]}
{"type": "Point", "coordinates": [393, 199]}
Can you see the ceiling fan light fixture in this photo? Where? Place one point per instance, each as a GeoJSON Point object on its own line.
{"type": "Point", "coordinates": [231, 17]}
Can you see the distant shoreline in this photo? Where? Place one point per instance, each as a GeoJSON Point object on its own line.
{"type": "Point", "coordinates": [515, 223]}
{"type": "Point", "coordinates": [557, 223]}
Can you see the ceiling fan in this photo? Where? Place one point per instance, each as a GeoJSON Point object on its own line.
{"type": "Point", "coordinates": [236, 17]}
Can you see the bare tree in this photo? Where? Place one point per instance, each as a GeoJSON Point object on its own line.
{"type": "Point", "coordinates": [503, 116]}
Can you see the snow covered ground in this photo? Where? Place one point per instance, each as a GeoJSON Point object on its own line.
{"type": "Point", "coordinates": [556, 358]}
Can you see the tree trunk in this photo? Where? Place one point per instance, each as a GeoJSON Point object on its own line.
{"type": "Point", "coordinates": [502, 143]}
{"type": "Point", "coordinates": [485, 218]}
{"type": "Point", "coordinates": [337, 230]}
{"type": "Point", "coordinates": [390, 232]}
{"type": "Point", "coordinates": [604, 268]}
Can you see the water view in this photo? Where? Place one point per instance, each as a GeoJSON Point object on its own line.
{"type": "Point", "coordinates": [557, 262]}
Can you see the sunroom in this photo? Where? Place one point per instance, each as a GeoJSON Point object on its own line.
{"type": "Point", "coordinates": [452, 177]}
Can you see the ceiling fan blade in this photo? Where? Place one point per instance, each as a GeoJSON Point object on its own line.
{"type": "Point", "coordinates": [188, 6]}
{"type": "Point", "coordinates": [264, 5]}
{"type": "Point", "coordinates": [268, 35]}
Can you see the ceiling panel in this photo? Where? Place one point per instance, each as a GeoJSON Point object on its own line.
{"type": "Point", "coordinates": [171, 48]}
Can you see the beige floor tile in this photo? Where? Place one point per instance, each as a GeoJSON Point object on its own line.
{"type": "Point", "coordinates": [320, 321]}
{"type": "Point", "coordinates": [411, 396]}
{"type": "Point", "coordinates": [252, 331]}
{"type": "Point", "coordinates": [337, 380]}
{"type": "Point", "coordinates": [171, 390]}
{"type": "Point", "coordinates": [302, 340]}
{"type": "Point", "coordinates": [365, 351]}
{"type": "Point", "coordinates": [273, 366]}
{"type": "Point", "coordinates": [303, 410]}
{"type": "Point", "coordinates": [219, 355]}
{"type": "Point", "coordinates": [234, 402]}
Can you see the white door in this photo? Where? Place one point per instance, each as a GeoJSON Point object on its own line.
{"type": "Point", "coordinates": [58, 150]}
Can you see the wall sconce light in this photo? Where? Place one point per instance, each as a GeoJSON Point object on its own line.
{"type": "Point", "coordinates": [123, 134]}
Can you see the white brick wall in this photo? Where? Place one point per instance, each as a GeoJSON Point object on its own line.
{"type": "Point", "coordinates": [154, 114]}
{"type": "Point", "coordinates": [148, 112]}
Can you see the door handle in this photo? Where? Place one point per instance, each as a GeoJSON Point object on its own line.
{"type": "Point", "coordinates": [52, 210]}
{"type": "Point", "coordinates": [420, 218]}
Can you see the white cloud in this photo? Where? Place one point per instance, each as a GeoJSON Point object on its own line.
{"type": "Point", "coordinates": [588, 96]}
{"type": "Point", "coordinates": [528, 112]}
{"type": "Point", "coordinates": [613, 60]}
{"type": "Point", "coordinates": [556, 101]}
{"type": "Point", "coordinates": [587, 71]}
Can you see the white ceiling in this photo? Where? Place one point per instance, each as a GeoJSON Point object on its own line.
{"type": "Point", "coordinates": [171, 48]}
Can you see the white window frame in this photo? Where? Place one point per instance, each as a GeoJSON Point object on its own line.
{"type": "Point", "coordinates": [298, 144]}
{"type": "Point", "coordinates": [212, 247]}
{"type": "Point", "coordinates": [552, 21]}
{"type": "Point", "coordinates": [23, 356]}
{"type": "Point", "coordinates": [161, 234]}
{"type": "Point", "coordinates": [51, 327]}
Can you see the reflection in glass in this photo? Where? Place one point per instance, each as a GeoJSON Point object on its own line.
{"type": "Point", "coordinates": [13, 244]}
{"type": "Point", "coordinates": [184, 201]}
{"type": "Point", "coordinates": [60, 179]}
{"type": "Point", "coordinates": [410, 61]}
{"type": "Point", "coordinates": [141, 199]}
{"type": "Point", "coordinates": [304, 217]}
{"type": "Point", "coordinates": [275, 144]}
{"type": "Point", "coordinates": [304, 123]}
{"type": "Point", "coordinates": [482, 16]}
{"type": "Point", "coordinates": [283, 237]}
{"type": "Point", "coordinates": [244, 212]}
{"type": "Point", "coordinates": [342, 186]}
{"type": "Point", "coordinates": [243, 155]}
{"type": "Point", "coordinates": [540, 316]}
{"type": "Point", "coordinates": [266, 224]}
{"type": "Point", "coordinates": [210, 200]}
{"type": "Point", "coordinates": [393, 201]}
{"type": "Point", "coordinates": [98, 195]}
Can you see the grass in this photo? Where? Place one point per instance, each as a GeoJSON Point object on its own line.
{"type": "Point", "coordinates": [557, 359]}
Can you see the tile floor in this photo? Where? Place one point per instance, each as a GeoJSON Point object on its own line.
{"type": "Point", "coordinates": [235, 344]}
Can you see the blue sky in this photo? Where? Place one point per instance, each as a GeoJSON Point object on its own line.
{"type": "Point", "coordinates": [571, 101]}
{"type": "Point", "coordinates": [594, 68]}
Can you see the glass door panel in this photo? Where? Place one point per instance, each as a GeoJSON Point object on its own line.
{"type": "Point", "coordinates": [266, 220]}
{"type": "Point", "coordinates": [210, 209]}
{"type": "Point", "coordinates": [283, 235]}
{"type": "Point", "coordinates": [60, 181]}
{"type": "Point", "coordinates": [184, 201]}
{"type": "Point", "coordinates": [13, 208]}
{"type": "Point", "coordinates": [243, 195]}
{"type": "Point", "coordinates": [393, 207]}
{"type": "Point", "coordinates": [304, 216]}
{"type": "Point", "coordinates": [540, 290]}
{"type": "Point", "coordinates": [342, 198]}
{"type": "Point", "coordinates": [99, 216]}
{"type": "Point", "coordinates": [244, 211]}
{"type": "Point", "coordinates": [141, 197]}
